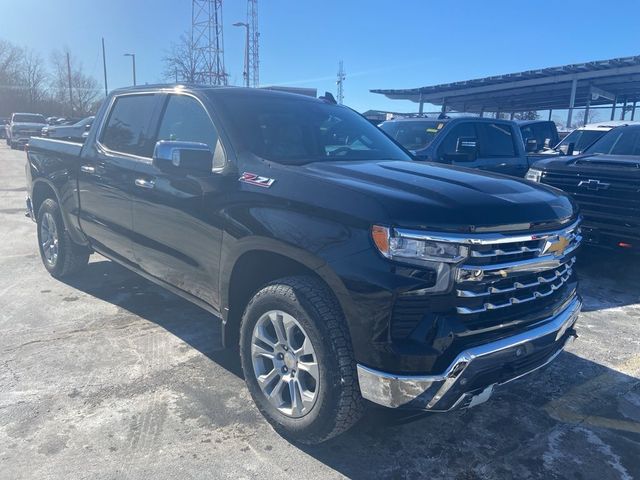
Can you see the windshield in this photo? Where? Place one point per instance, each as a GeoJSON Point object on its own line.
{"type": "Point", "coordinates": [581, 139]}
{"type": "Point", "coordinates": [619, 141]}
{"type": "Point", "coordinates": [28, 118]}
{"type": "Point", "coordinates": [296, 131]}
{"type": "Point", "coordinates": [413, 135]}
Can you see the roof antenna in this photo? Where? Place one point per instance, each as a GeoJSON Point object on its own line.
{"type": "Point", "coordinates": [328, 98]}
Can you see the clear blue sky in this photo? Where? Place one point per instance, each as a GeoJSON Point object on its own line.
{"type": "Point", "coordinates": [384, 44]}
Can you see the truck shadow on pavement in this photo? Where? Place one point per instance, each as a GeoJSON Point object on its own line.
{"type": "Point", "coordinates": [574, 419]}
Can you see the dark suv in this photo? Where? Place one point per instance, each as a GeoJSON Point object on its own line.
{"type": "Point", "coordinates": [483, 143]}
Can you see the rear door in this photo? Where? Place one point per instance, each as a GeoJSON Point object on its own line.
{"type": "Point", "coordinates": [107, 173]}
{"type": "Point", "coordinates": [177, 233]}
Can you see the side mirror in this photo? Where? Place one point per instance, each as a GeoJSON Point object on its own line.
{"type": "Point", "coordinates": [87, 127]}
{"type": "Point", "coordinates": [531, 145]}
{"type": "Point", "coordinates": [467, 146]}
{"type": "Point", "coordinates": [547, 143]}
{"type": "Point", "coordinates": [570, 148]}
{"type": "Point", "coordinates": [188, 156]}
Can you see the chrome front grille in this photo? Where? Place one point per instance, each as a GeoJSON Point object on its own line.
{"type": "Point", "coordinates": [505, 272]}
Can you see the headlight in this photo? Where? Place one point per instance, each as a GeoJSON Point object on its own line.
{"type": "Point", "coordinates": [534, 175]}
{"type": "Point", "coordinates": [410, 247]}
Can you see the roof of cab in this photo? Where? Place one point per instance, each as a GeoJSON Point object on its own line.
{"type": "Point", "coordinates": [217, 90]}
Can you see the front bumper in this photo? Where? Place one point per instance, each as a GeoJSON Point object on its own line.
{"type": "Point", "coordinates": [471, 377]}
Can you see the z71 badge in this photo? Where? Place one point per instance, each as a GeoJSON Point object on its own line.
{"type": "Point", "coordinates": [254, 179]}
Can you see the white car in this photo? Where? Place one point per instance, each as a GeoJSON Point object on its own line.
{"type": "Point", "coordinates": [23, 126]}
{"type": "Point", "coordinates": [583, 137]}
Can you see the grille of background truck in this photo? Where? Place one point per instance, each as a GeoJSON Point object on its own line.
{"type": "Point", "coordinates": [613, 207]}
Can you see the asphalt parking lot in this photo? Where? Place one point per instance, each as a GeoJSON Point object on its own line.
{"type": "Point", "coordinates": [108, 376]}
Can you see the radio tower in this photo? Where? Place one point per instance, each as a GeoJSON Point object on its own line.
{"type": "Point", "coordinates": [208, 41]}
{"type": "Point", "coordinates": [254, 36]}
{"type": "Point", "coordinates": [340, 81]}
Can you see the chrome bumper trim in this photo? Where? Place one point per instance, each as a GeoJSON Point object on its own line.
{"type": "Point", "coordinates": [446, 391]}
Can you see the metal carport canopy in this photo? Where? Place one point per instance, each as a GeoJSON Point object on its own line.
{"type": "Point", "coordinates": [600, 81]}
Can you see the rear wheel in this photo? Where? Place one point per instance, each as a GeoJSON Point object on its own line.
{"type": "Point", "coordinates": [298, 361]}
{"type": "Point", "coordinates": [60, 255]}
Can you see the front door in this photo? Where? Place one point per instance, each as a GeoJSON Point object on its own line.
{"type": "Point", "coordinates": [177, 234]}
{"type": "Point", "coordinates": [106, 175]}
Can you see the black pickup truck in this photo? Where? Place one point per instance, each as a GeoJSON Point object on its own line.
{"type": "Point", "coordinates": [472, 142]}
{"type": "Point", "coordinates": [342, 269]}
{"type": "Point", "coordinates": [605, 181]}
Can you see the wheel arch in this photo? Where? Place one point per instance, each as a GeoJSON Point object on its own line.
{"type": "Point", "coordinates": [241, 279]}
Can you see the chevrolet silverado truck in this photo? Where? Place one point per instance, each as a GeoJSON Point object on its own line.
{"type": "Point", "coordinates": [345, 271]}
{"type": "Point", "coordinates": [605, 182]}
{"type": "Point", "coordinates": [22, 127]}
{"type": "Point", "coordinates": [472, 142]}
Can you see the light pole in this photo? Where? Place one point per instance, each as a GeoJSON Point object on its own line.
{"type": "Point", "coordinates": [246, 52]}
{"type": "Point", "coordinates": [133, 58]}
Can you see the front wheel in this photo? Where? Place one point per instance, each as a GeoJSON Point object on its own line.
{"type": "Point", "coordinates": [298, 361]}
{"type": "Point", "coordinates": [60, 255]}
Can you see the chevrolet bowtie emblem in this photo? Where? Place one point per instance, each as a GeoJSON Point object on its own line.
{"type": "Point", "coordinates": [592, 184]}
{"type": "Point", "coordinates": [556, 246]}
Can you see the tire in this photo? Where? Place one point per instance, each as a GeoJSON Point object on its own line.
{"type": "Point", "coordinates": [337, 403]}
{"type": "Point", "coordinates": [67, 257]}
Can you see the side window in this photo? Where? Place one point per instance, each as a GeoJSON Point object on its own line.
{"type": "Point", "coordinates": [496, 140]}
{"type": "Point", "coordinates": [127, 129]}
{"type": "Point", "coordinates": [448, 145]}
{"type": "Point", "coordinates": [186, 120]}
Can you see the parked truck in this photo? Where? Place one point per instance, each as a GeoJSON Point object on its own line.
{"type": "Point", "coordinates": [605, 182]}
{"type": "Point", "coordinates": [22, 127]}
{"type": "Point", "coordinates": [344, 270]}
{"type": "Point", "coordinates": [483, 143]}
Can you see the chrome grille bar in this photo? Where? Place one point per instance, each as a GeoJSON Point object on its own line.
{"type": "Point", "coordinates": [515, 300]}
{"type": "Point", "coordinates": [566, 268]}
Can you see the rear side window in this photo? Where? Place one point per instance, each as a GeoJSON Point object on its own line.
{"type": "Point", "coordinates": [496, 140]}
{"type": "Point", "coordinates": [127, 129]}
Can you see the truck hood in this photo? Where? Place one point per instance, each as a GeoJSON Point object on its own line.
{"type": "Point", "coordinates": [28, 125]}
{"type": "Point", "coordinates": [622, 164]}
{"type": "Point", "coordinates": [427, 195]}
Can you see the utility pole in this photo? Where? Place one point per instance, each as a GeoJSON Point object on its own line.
{"type": "Point", "coordinates": [245, 72]}
{"type": "Point", "coordinates": [70, 88]}
{"type": "Point", "coordinates": [340, 81]}
{"type": "Point", "coordinates": [133, 58]}
{"type": "Point", "coordinates": [104, 67]}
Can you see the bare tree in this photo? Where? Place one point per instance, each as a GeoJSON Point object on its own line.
{"type": "Point", "coordinates": [10, 62]}
{"type": "Point", "coordinates": [181, 62]}
{"type": "Point", "coordinates": [84, 88]}
{"type": "Point", "coordinates": [33, 79]}
{"type": "Point", "coordinates": [580, 118]}
{"type": "Point", "coordinates": [529, 115]}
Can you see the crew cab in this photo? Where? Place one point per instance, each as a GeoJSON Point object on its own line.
{"type": "Point", "coordinates": [73, 132]}
{"type": "Point", "coordinates": [472, 142]}
{"type": "Point", "coordinates": [605, 182]}
{"type": "Point", "coordinates": [343, 269]}
{"type": "Point", "coordinates": [24, 126]}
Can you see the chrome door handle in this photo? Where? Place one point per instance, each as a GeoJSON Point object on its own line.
{"type": "Point", "coordinates": [141, 182]}
{"type": "Point", "coordinates": [87, 169]}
